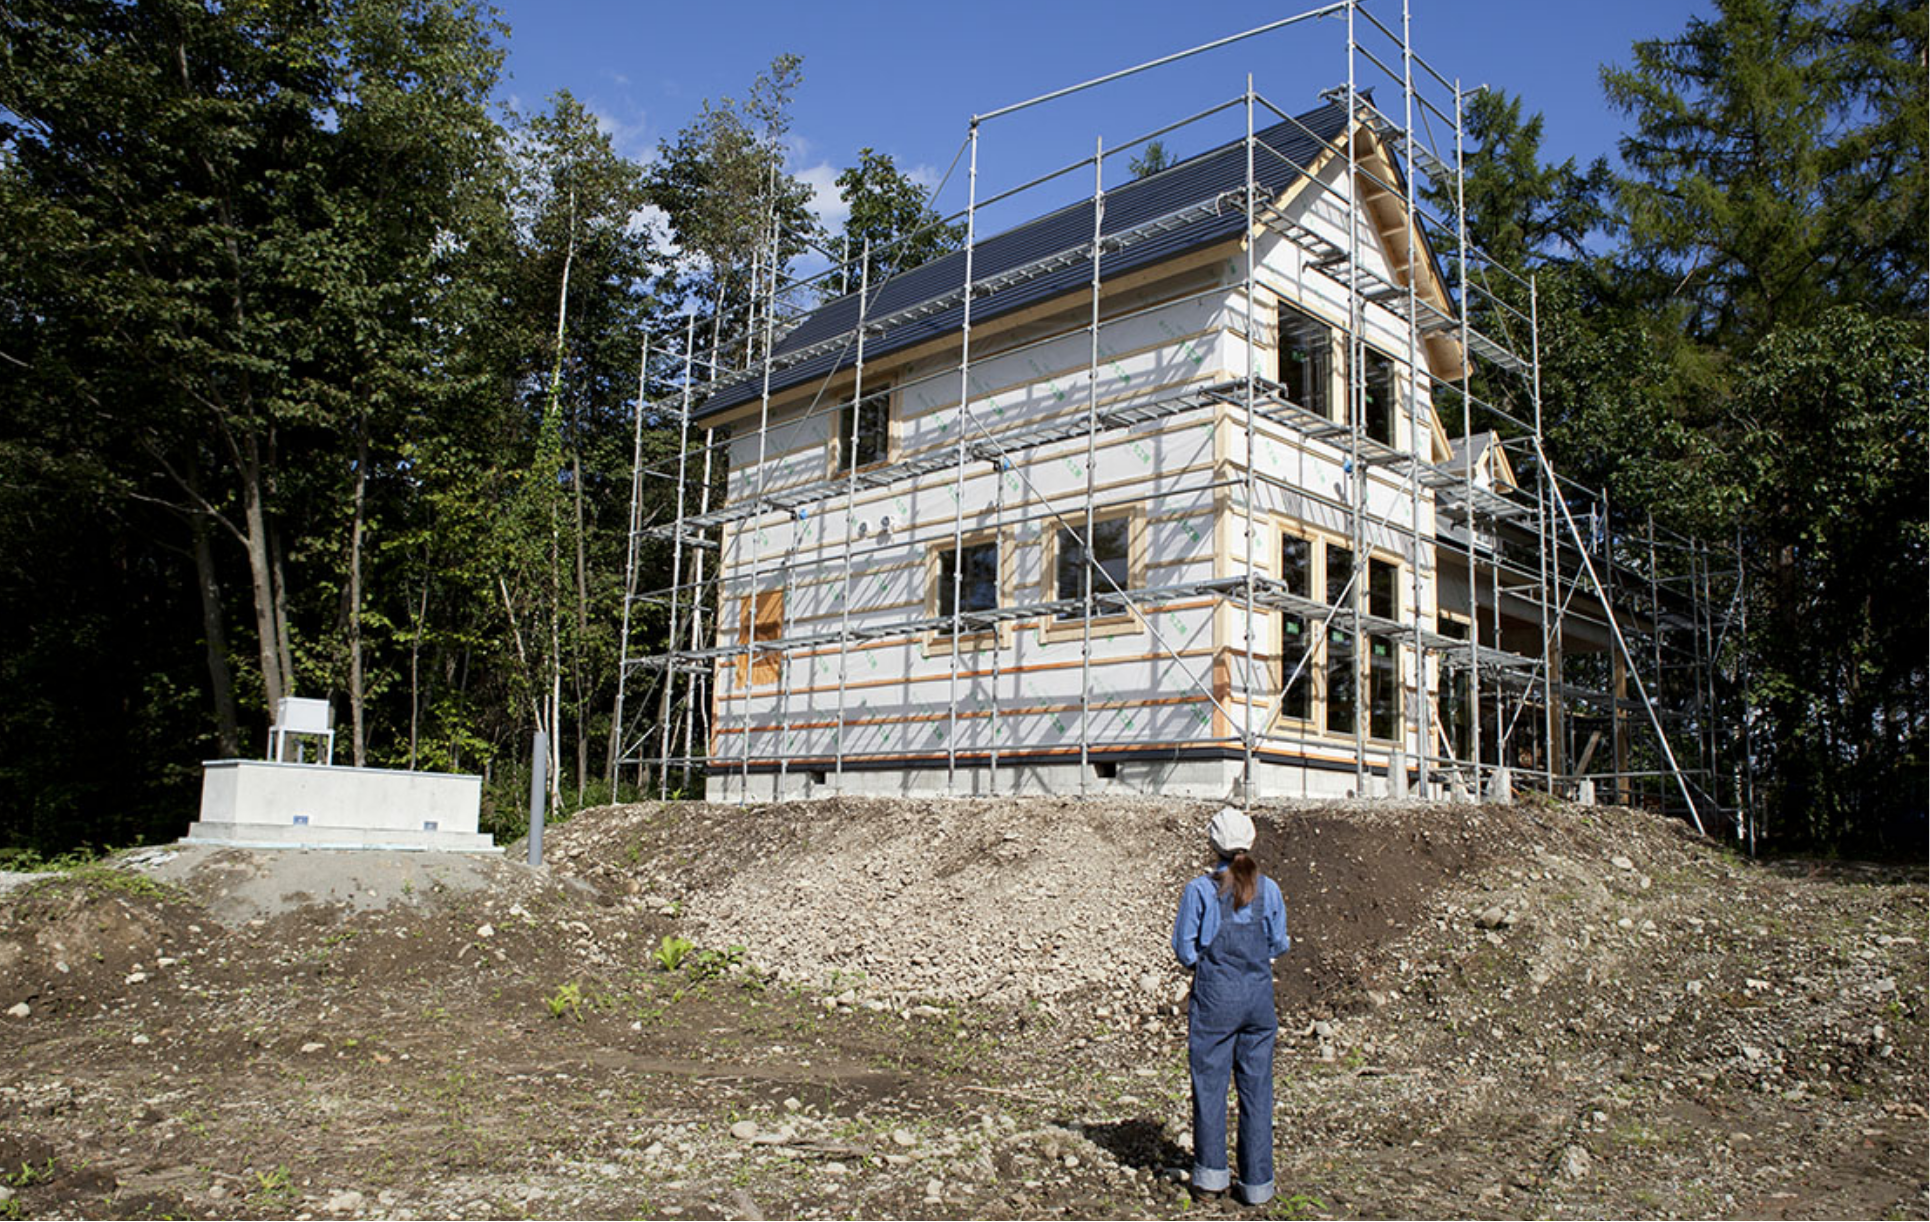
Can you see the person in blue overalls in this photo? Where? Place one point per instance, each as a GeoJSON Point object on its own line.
{"type": "Point", "coordinates": [1230, 942]}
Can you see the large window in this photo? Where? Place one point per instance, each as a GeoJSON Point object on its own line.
{"type": "Point", "coordinates": [864, 432]}
{"type": "Point", "coordinates": [1306, 359]}
{"type": "Point", "coordinates": [1112, 558]}
{"type": "Point", "coordinates": [1457, 715]}
{"type": "Point", "coordinates": [1296, 642]}
{"type": "Point", "coordinates": [1354, 670]}
{"type": "Point", "coordinates": [1343, 677]}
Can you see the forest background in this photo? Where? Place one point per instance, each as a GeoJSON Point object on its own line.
{"type": "Point", "coordinates": [319, 375]}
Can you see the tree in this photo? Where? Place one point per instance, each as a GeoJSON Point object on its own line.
{"type": "Point", "coordinates": [891, 216]}
{"type": "Point", "coordinates": [1152, 161]}
{"type": "Point", "coordinates": [737, 215]}
{"type": "Point", "coordinates": [1777, 162]}
{"type": "Point", "coordinates": [228, 228]}
{"type": "Point", "coordinates": [584, 287]}
{"type": "Point", "coordinates": [1835, 525]}
{"type": "Point", "coordinates": [1772, 227]}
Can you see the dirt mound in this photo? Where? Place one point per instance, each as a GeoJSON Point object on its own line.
{"type": "Point", "coordinates": [960, 1009]}
{"type": "Point", "coordinates": [1044, 903]}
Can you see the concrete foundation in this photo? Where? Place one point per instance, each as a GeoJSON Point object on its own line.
{"type": "Point", "coordinates": [1211, 780]}
{"type": "Point", "coordinates": [269, 805]}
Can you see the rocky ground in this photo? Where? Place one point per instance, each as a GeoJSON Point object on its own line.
{"type": "Point", "coordinates": [961, 1009]}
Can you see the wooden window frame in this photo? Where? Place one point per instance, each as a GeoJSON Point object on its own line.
{"type": "Point", "coordinates": [1316, 674]}
{"type": "Point", "coordinates": [1056, 629]}
{"type": "Point", "coordinates": [882, 399]}
{"type": "Point", "coordinates": [1328, 408]}
{"type": "Point", "coordinates": [941, 640]}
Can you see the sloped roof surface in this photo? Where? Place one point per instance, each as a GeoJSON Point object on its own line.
{"type": "Point", "coordinates": [1202, 178]}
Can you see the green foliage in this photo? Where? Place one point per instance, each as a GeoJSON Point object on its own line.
{"type": "Point", "coordinates": [1151, 161]}
{"type": "Point", "coordinates": [892, 218]}
{"type": "Point", "coordinates": [1836, 526]}
{"type": "Point", "coordinates": [275, 1191]}
{"type": "Point", "coordinates": [722, 184]}
{"type": "Point", "coordinates": [707, 964]}
{"type": "Point", "coordinates": [568, 999]}
{"type": "Point", "coordinates": [671, 951]}
{"type": "Point", "coordinates": [1778, 163]}
{"type": "Point", "coordinates": [32, 1173]}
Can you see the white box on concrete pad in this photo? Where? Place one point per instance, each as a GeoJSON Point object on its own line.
{"type": "Point", "coordinates": [269, 805]}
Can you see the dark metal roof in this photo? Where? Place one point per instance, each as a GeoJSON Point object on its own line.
{"type": "Point", "coordinates": [1205, 195]}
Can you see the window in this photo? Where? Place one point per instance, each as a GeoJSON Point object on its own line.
{"type": "Point", "coordinates": [1112, 553]}
{"type": "Point", "coordinates": [864, 432]}
{"type": "Point", "coordinates": [1377, 398]}
{"type": "Point", "coordinates": [1343, 664]}
{"type": "Point", "coordinates": [1343, 679]}
{"type": "Point", "coordinates": [1383, 659]}
{"type": "Point", "coordinates": [760, 668]}
{"type": "Point", "coordinates": [1296, 644]}
{"type": "Point", "coordinates": [1382, 596]}
{"type": "Point", "coordinates": [1383, 687]}
{"type": "Point", "coordinates": [1343, 684]}
{"type": "Point", "coordinates": [1340, 571]}
{"type": "Point", "coordinates": [977, 583]}
{"type": "Point", "coordinates": [1456, 696]}
{"type": "Point", "coordinates": [1306, 359]}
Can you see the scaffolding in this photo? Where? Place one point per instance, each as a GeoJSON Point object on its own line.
{"type": "Point", "coordinates": [1507, 564]}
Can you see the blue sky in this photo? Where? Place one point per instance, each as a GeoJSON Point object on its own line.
{"type": "Point", "coordinates": [906, 78]}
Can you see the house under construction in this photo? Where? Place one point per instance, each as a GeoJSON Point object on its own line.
{"type": "Point", "coordinates": [1188, 486]}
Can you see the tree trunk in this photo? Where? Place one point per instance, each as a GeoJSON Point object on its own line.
{"type": "Point", "coordinates": [284, 644]}
{"type": "Point", "coordinates": [262, 577]}
{"type": "Point", "coordinates": [582, 625]}
{"type": "Point", "coordinates": [415, 662]}
{"type": "Point", "coordinates": [357, 736]}
{"type": "Point", "coordinates": [220, 675]}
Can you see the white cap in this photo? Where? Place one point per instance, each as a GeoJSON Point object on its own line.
{"type": "Point", "coordinates": [1230, 832]}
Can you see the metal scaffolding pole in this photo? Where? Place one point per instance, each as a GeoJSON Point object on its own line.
{"type": "Point", "coordinates": [1423, 742]}
{"type": "Point", "coordinates": [1252, 339]}
{"type": "Point", "coordinates": [1356, 409]}
{"type": "Point", "coordinates": [851, 508]}
{"type": "Point", "coordinates": [630, 573]}
{"type": "Point", "coordinates": [1092, 440]}
{"type": "Point", "coordinates": [1467, 444]}
{"type": "Point", "coordinates": [958, 520]}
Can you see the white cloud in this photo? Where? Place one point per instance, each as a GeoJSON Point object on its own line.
{"type": "Point", "coordinates": [826, 204]}
{"type": "Point", "coordinates": [630, 138]}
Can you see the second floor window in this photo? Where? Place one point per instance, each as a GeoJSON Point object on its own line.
{"type": "Point", "coordinates": [1377, 397]}
{"type": "Point", "coordinates": [864, 432]}
{"type": "Point", "coordinates": [1306, 356]}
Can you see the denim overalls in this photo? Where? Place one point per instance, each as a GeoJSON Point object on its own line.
{"type": "Point", "coordinates": [1231, 1027]}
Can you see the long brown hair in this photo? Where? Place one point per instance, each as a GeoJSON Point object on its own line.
{"type": "Point", "coordinates": [1242, 878]}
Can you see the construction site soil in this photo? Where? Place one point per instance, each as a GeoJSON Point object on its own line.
{"type": "Point", "coordinates": [962, 1009]}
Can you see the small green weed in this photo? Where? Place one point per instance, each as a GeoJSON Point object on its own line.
{"type": "Point", "coordinates": [31, 1174]}
{"type": "Point", "coordinates": [1299, 1205]}
{"type": "Point", "coordinates": [707, 964]}
{"type": "Point", "coordinates": [275, 1191]}
{"type": "Point", "coordinates": [568, 999]}
{"type": "Point", "coordinates": [670, 952]}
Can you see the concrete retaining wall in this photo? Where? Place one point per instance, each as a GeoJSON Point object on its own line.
{"type": "Point", "coordinates": [271, 805]}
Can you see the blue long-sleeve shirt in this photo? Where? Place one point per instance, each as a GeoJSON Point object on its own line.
{"type": "Point", "coordinates": [1198, 922]}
